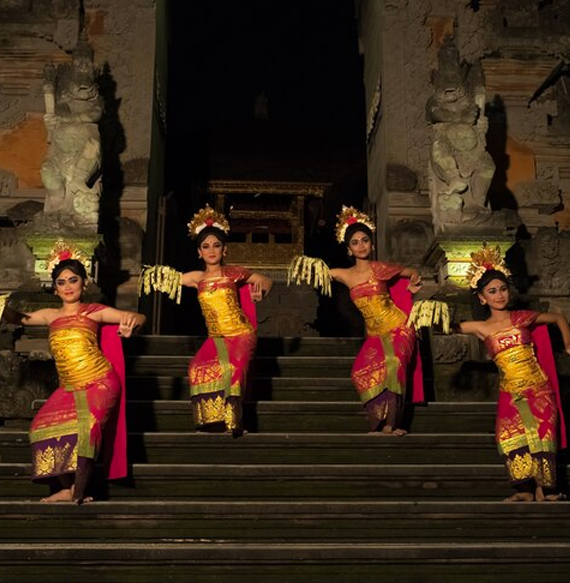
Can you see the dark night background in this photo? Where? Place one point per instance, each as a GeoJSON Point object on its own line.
{"type": "Point", "coordinates": [303, 55]}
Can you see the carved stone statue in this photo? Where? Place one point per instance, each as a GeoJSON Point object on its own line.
{"type": "Point", "coordinates": [16, 261]}
{"type": "Point", "coordinates": [460, 168]}
{"type": "Point", "coordinates": [131, 237]}
{"type": "Point", "coordinates": [70, 170]}
{"type": "Point", "coordinates": [22, 382]}
{"type": "Point", "coordinates": [548, 261]}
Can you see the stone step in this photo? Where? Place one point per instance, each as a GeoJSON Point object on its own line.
{"type": "Point", "coordinates": [288, 482]}
{"type": "Point", "coordinates": [166, 344]}
{"type": "Point", "coordinates": [285, 448]}
{"type": "Point", "coordinates": [263, 389]}
{"type": "Point", "coordinates": [338, 562]}
{"type": "Point", "coordinates": [266, 346]}
{"type": "Point", "coordinates": [277, 521]}
{"type": "Point", "coordinates": [310, 417]}
{"type": "Point", "coordinates": [265, 366]}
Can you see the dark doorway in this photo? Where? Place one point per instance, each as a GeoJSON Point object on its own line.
{"type": "Point", "coordinates": [260, 91]}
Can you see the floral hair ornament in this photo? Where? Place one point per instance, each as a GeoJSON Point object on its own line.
{"type": "Point", "coordinates": [349, 216]}
{"type": "Point", "coordinates": [483, 260]}
{"type": "Point", "coordinates": [63, 250]}
{"type": "Point", "coordinates": [207, 217]}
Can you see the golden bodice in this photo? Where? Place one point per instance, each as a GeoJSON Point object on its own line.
{"type": "Point", "coordinates": [513, 353]}
{"type": "Point", "coordinates": [220, 305]}
{"type": "Point", "coordinates": [380, 313]}
{"type": "Point", "coordinates": [74, 345]}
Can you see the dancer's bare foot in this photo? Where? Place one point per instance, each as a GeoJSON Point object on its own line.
{"type": "Point", "coordinates": [64, 495]}
{"type": "Point", "coordinates": [395, 431]}
{"type": "Point", "coordinates": [236, 432]}
{"type": "Point", "coordinates": [555, 497]}
{"type": "Point", "coordinates": [85, 500]}
{"type": "Point", "coordinates": [389, 431]}
{"type": "Point", "coordinates": [81, 500]}
{"type": "Point", "coordinates": [520, 497]}
{"type": "Point", "coordinates": [540, 496]}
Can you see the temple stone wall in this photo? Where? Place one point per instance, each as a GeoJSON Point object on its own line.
{"type": "Point", "coordinates": [121, 33]}
{"type": "Point", "coordinates": [522, 49]}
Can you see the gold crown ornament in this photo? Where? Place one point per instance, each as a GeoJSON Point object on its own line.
{"type": "Point", "coordinates": [483, 260]}
{"type": "Point", "coordinates": [349, 216]}
{"type": "Point", "coordinates": [207, 217]}
{"type": "Point", "coordinates": [62, 250]}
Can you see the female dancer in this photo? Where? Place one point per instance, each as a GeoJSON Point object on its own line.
{"type": "Point", "coordinates": [85, 415]}
{"type": "Point", "coordinates": [527, 417]}
{"type": "Point", "coordinates": [218, 372]}
{"type": "Point", "coordinates": [382, 292]}
{"type": "Point", "coordinates": [380, 371]}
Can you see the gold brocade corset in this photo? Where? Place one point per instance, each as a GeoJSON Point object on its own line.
{"type": "Point", "coordinates": [513, 353]}
{"type": "Point", "coordinates": [380, 313]}
{"type": "Point", "coordinates": [220, 306]}
{"type": "Point", "coordinates": [75, 349]}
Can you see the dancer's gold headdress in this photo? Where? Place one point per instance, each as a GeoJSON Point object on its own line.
{"type": "Point", "coordinates": [207, 217]}
{"type": "Point", "coordinates": [349, 216]}
{"type": "Point", "coordinates": [62, 250]}
{"type": "Point", "coordinates": [483, 260]}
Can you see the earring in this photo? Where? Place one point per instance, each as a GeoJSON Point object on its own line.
{"type": "Point", "coordinates": [483, 302]}
{"type": "Point", "coordinates": [349, 252]}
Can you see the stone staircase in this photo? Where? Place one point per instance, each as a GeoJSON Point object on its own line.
{"type": "Point", "coordinates": [306, 496]}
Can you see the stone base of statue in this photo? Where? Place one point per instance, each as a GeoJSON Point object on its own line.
{"type": "Point", "coordinates": [480, 222]}
{"type": "Point", "coordinates": [450, 254]}
{"type": "Point", "coordinates": [42, 243]}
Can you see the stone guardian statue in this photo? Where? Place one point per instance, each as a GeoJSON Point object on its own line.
{"type": "Point", "coordinates": [70, 172]}
{"type": "Point", "coordinates": [460, 168]}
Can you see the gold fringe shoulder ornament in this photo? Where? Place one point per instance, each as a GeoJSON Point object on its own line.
{"type": "Point", "coordinates": [161, 278]}
{"type": "Point", "coordinates": [483, 260]}
{"type": "Point", "coordinates": [207, 217]}
{"type": "Point", "coordinates": [428, 313]}
{"type": "Point", "coordinates": [349, 216]}
{"type": "Point", "coordinates": [311, 270]}
{"type": "Point", "coordinates": [3, 302]}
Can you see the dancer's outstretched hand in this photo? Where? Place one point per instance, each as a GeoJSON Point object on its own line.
{"type": "Point", "coordinates": [256, 292]}
{"type": "Point", "coordinates": [129, 321]}
{"type": "Point", "coordinates": [415, 283]}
